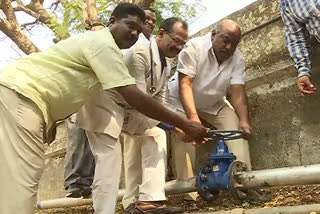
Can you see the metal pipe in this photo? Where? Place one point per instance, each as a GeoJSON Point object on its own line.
{"type": "Point", "coordinates": [261, 178]}
{"type": "Point", "coordinates": [280, 177]}
{"type": "Point", "coordinates": [172, 187]}
{"type": "Point", "coordinates": [69, 202]}
{"type": "Point", "coordinates": [300, 209]}
{"type": "Point", "coordinates": [181, 186]}
{"type": "Point", "coordinates": [63, 202]}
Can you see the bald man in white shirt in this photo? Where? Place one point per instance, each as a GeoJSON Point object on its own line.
{"type": "Point", "coordinates": [209, 68]}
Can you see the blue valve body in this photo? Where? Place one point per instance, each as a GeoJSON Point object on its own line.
{"type": "Point", "coordinates": [215, 176]}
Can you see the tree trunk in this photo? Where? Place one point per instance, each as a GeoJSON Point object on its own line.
{"type": "Point", "coordinates": [92, 13]}
{"type": "Point", "coordinates": [144, 3]}
{"type": "Point", "coordinates": [48, 19]}
{"type": "Point", "coordinates": [14, 32]}
{"type": "Point", "coordinates": [11, 28]}
{"type": "Point", "coordinates": [141, 3]}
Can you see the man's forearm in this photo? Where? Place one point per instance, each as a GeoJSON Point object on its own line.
{"type": "Point", "coordinates": [187, 101]}
{"type": "Point", "coordinates": [300, 55]}
{"type": "Point", "coordinates": [239, 102]}
{"type": "Point", "coordinates": [150, 107]}
{"type": "Point", "coordinates": [303, 66]}
{"type": "Point", "coordinates": [241, 109]}
{"type": "Point", "coordinates": [186, 96]}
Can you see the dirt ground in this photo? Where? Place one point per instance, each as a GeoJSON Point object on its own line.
{"type": "Point", "coordinates": [281, 196]}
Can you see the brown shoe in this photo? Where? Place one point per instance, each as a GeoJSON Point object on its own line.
{"type": "Point", "coordinates": [142, 207]}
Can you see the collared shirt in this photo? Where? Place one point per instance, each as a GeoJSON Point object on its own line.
{"type": "Point", "coordinates": [144, 39]}
{"type": "Point", "coordinates": [210, 80]}
{"type": "Point", "coordinates": [62, 78]}
{"type": "Point", "coordinates": [149, 71]}
{"type": "Point", "coordinates": [144, 63]}
{"type": "Point", "coordinates": [139, 59]}
{"type": "Point", "coordinates": [301, 18]}
{"type": "Point", "coordinates": [141, 40]}
{"type": "Point", "coordinates": [101, 113]}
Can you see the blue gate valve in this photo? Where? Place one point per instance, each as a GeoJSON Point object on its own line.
{"type": "Point", "coordinates": [221, 166]}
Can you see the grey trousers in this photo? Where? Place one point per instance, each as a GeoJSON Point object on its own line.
{"type": "Point", "coordinates": [80, 164]}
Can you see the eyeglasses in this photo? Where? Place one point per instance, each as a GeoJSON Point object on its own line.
{"type": "Point", "coordinates": [177, 41]}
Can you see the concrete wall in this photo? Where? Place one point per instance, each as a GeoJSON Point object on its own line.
{"type": "Point", "coordinates": [286, 124]}
{"type": "Point", "coordinates": [51, 184]}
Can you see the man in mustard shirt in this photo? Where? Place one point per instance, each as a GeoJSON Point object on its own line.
{"type": "Point", "coordinates": [42, 88]}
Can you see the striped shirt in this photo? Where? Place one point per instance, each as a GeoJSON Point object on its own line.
{"type": "Point", "coordinates": [301, 19]}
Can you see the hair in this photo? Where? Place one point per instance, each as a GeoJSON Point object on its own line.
{"type": "Point", "coordinates": [219, 27]}
{"type": "Point", "coordinates": [150, 9]}
{"type": "Point", "coordinates": [168, 24]}
{"type": "Point", "coordinates": [123, 10]}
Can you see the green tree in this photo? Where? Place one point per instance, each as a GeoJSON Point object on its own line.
{"type": "Point", "coordinates": [63, 17]}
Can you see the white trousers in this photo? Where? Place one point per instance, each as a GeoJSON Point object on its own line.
{"type": "Point", "coordinates": [107, 153]}
{"type": "Point", "coordinates": [184, 154]}
{"type": "Point", "coordinates": [22, 131]}
{"type": "Point", "coordinates": [145, 166]}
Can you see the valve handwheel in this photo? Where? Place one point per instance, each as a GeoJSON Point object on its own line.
{"type": "Point", "coordinates": [215, 135]}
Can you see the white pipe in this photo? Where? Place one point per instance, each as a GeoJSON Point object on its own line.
{"type": "Point", "coordinates": [172, 187]}
{"type": "Point", "coordinates": [300, 209]}
{"type": "Point", "coordinates": [261, 178]}
{"type": "Point", "coordinates": [69, 202]}
{"type": "Point", "coordinates": [63, 202]}
{"type": "Point", "coordinates": [299, 175]}
{"type": "Point", "coordinates": [181, 186]}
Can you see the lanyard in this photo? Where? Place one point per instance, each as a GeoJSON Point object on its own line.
{"type": "Point", "coordinates": [152, 89]}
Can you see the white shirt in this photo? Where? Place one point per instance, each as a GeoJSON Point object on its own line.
{"type": "Point", "coordinates": [211, 80]}
{"type": "Point", "coordinates": [139, 59]}
{"type": "Point", "coordinates": [142, 39]}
